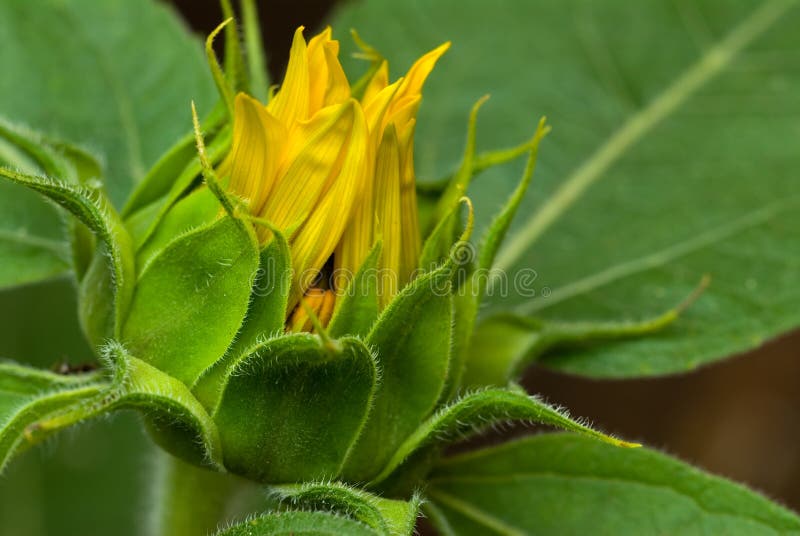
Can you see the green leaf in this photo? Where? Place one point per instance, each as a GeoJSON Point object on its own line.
{"type": "Point", "coordinates": [503, 345]}
{"type": "Point", "coordinates": [474, 413]}
{"type": "Point", "coordinates": [27, 395]}
{"type": "Point", "coordinates": [385, 516]}
{"type": "Point", "coordinates": [179, 422]}
{"type": "Point", "coordinates": [292, 409]}
{"type": "Point", "coordinates": [31, 234]}
{"type": "Point", "coordinates": [412, 341]}
{"type": "Point", "coordinates": [565, 484]}
{"type": "Point", "coordinates": [357, 309]}
{"type": "Point", "coordinates": [114, 268]}
{"type": "Point", "coordinates": [663, 165]}
{"type": "Point", "coordinates": [191, 299]}
{"type": "Point", "coordinates": [115, 74]}
{"type": "Point", "coordinates": [298, 524]}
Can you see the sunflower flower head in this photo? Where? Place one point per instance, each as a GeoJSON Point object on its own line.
{"type": "Point", "coordinates": [333, 172]}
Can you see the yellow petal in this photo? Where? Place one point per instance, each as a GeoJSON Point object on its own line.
{"type": "Point", "coordinates": [328, 84]}
{"type": "Point", "coordinates": [318, 69]}
{"type": "Point", "coordinates": [358, 237]}
{"type": "Point", "coordinates": [402, 111]}
{"type": "Point", "coordinates": [320, 302]}
{"type": "Point", "coordinates": [388, 214]}
{"type": "Point", "coordinates": [291, 104]}
{"type": "Point", "coordinates": [338, 88]}
{"type": "Point", "coordinates": [312, 161]}
{"type": "Point", "coordinates": [377, 83]}
{"type": "Point", "coordinates": [318, 237]}
{"type": "Point", "coordinates": [375, 111]}
{"type": "Point", "coordinates": [419, 72]}
{"type": "Point", "coordinates": [258, 143]}
{"type": "Point", "coordinates": [411, 242]}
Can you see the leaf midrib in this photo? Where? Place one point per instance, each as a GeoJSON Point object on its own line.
{"type": "Point", "coordinates": [708, 65]}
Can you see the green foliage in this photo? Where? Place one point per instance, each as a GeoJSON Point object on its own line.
{"type": "Point", "coordinates": [299, 524]}
{"type": "Point", "coordinates": [117, 75]}
{"type": "Point", "coordinates": [661, 166]}
{"type": "Point", "coordinates": [197, 330]}
{"type": "Point", "coordinates": [503, 345]}
{"type": "Point", "coordinates": [270, 295]}
{"type": "Point", "coordinates": [29, 395]}
{"type": "Point", "coordinates": [412, 341]}
{"type": "Point", "coordinates": [385, 516]}
{"type": "Point", "coordinates": [567, 484]}
{"type": "Point", "coordinates": [474, 413]}
{"type": "Point", "coordinates": [191, 299]}
{"type": "Point", "coordinates": [292, 408]}
{"type": "Point", "coordinates": [108, 288]}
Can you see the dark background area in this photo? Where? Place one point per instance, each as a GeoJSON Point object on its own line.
{"type": "Point", "coordinates": [737, 418]}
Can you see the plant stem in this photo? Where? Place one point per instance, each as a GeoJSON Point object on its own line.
{"type": "Point", "coordinates": [188, 500]}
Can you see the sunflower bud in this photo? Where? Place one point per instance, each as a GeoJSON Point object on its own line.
{"type": "Point", "coordinates": [287, 308]}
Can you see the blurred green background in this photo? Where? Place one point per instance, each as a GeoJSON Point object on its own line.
{"type": "Point", "coordinates": [736, 418]}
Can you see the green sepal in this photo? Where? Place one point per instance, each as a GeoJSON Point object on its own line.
{"type": "Point", "coordinates": [146, 220]}
{"type": "Point", "coordinates": [179, 422]}
{"type": "Point", "coordinates": [161, 178]}
{"type": "Point", "coordinates": [88, 169]}
{"type": "Point", "coordinates": [439, 243]}
{"type": "Point", "coordinates": [503, 345]}
{"type": "Point", "coordinates": [412, 339]}
{"type": "Point", "coordinates": [457, 186]}
{"type": "Point", "coordinates": [191, 299]}
{"type": "Point", "coordinates": [95, 211]}
{"type": "Point", "coordinates": [568, 484]}
{"type": "Point", "coordinates": [472, 414]}
{"type": "Point", "coordinates": [498, 229]}
{"type": "Point", "coordinates": [385, 516]}
{"type": "Point", "coordinates": [175, 418]}
{"type": "Point", "coordinates": [448, 243]}
{"type": "Point", "coordinates": [265, 318]}
{"type": "Point", "coordinates": [270, 295]}
{"type": "Point", "coordinates": [293, 407]}
{"type": "Point", "coordinates": [28, 395]}
{"type": "Point", "coordinates": [199, 208]}
{"type": "Point", "coordinates": [299, 523]}
{"type": "Point", "coordinates": [357, 308]}
{"type": "Point", "coordinates": [465, 311]}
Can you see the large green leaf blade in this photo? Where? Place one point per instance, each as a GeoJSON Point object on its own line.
{"type": "Point", "coordinates": [565, 484]}
{"type": "Point", "coordinates": [665, 162]}
{"type": "Point", "coordinates": [117, 75]}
